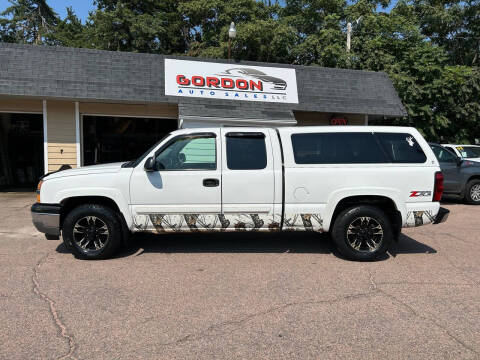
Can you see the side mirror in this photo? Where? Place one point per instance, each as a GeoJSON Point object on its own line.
{"type": "Point", "coordinates": [149, 164]}
{"type": "Point", "coordinates": [459, 161]}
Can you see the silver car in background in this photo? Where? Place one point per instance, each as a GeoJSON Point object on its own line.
{"type": "Point", "coordinates": [466, 152]}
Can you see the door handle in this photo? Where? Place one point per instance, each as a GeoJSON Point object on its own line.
{"type": "Point", "coordinates": [211, 182]}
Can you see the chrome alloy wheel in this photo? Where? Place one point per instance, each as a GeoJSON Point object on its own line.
{"type": "Point", "coordinates": [90, 234]}
{"type": "Point", "coordinates": [365, 234]}
{"type": "Point", "coordinates": [475, 192]}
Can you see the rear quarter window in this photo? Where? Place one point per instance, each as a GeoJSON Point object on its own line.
{"type": "Point", "coordinates": [356, 148]}
{"type": "Point", "coordinates": [401, 148]}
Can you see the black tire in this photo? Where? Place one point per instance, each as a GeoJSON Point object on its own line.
{"type": "Point", "coordinates": [372, 245]}
{"type": "Point", "coordinates": [100, 226]}
{"type": "Point", "coordinates": [472, 188]}
{"type": "Point", "coordinates": [66, 243]}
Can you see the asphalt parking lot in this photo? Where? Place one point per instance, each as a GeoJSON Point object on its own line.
{"type": "Point", "coordinates": [240, 296]}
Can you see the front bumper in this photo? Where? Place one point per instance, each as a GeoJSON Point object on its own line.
{"type": "Point", "coordinates": [442, 216]}
{"type": "Point", "coordinates": [46, 218]}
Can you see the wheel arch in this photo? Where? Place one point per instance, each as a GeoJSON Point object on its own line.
{"type": "Point", "coordinates": [468, 178]}
{"type": "Point", "coordinates": [72, 202]}
{"type": "Point", "coordinates": [473, 177]}
{"type": "Point", "coordinates": [385, 203]}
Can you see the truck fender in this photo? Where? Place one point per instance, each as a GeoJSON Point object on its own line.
{"type": "Point", "coordinates": [345, 193]}
{"type": "Point", "coordinates": [110, 193]}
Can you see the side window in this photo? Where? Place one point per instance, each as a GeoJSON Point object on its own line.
{"type": "Point", "coordinates": [246, 151]}
{"type": "Point", "coordinates": [443, 155]}
{"type": "Point", "coordinates": [469, 151]}
{"type": "Point", "coordinates": [189, 153]}
{"type": "Point", "coordinates": [336, 148]}
{"type": "Point", "coordinates": [401, 148]}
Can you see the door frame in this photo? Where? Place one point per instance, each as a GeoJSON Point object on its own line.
{"type": "Point", "coordinates": [45, 135]}
{"type": "Point", "coordinates": [250, 215]}
{"type": "Point", "coordinates": [80, 147]}
{"type": "Point", "coordinates": [172, 216]}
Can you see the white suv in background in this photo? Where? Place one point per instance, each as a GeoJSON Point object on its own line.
{"type": "Point", "coordinates": [467, 152]}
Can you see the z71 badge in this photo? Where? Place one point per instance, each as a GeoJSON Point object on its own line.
{"type": "Point", "coordinates": [420, 193]}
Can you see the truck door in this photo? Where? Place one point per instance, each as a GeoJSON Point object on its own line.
{"type": "Point", "coordinates": [248, 180]}
{"type": "Point", "coordinates": [184, 192]}
{"type": "Point", "coordinates": [450, 169]}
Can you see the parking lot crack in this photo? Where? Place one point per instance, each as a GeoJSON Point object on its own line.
{"type": "Point", "coordinates": [425, 318]}
{"type": "Point", "coordinates": [64, 332]}
{"type": "Point", "coordinates": [373, 284]}
{"type": "Point", "coordinates": [460, 239]}
{"type": "Point", "coordinates": [426, 283]}
{"type": "Point", "coordinates": [223, 327]}
{"type": "Point", "coordinates": [454, 264]}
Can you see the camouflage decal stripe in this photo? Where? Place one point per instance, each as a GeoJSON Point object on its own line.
{"type": "Point", "coordinates": [419, 218]}
{"type": "Point", "coordinates": [303, 222]}
{"type": "Point", "coordinates": [164, 223]}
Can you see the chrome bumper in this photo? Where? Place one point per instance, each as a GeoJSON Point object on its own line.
{"type": "Point", "coordinates": [442, 216]}
{"type": "Point", "coordinates": [46, 218]}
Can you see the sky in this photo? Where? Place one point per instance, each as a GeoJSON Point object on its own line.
{"type": "Point", "coordinates": [81, 7]}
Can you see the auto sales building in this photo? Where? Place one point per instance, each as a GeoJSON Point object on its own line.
{"type": "Point", "coordinates": [66, 106]}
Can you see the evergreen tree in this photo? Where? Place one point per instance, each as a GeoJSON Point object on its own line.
{"type": "Point", "coordinates": [69, 32]}
{"type": "Point", "coordinates": [137, 25]}
{"type": "Point", "coordinates": [27, 21]}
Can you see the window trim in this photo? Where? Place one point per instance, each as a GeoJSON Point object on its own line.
{"type": "Point", "coordinates": [207, 135]}
{"type": "Point", "coordinates": [240, 134]}
{"type": "Point", "coordinates": [246, 135]}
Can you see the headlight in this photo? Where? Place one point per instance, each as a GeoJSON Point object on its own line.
{"type": "Point", "coordinates": [39, 186]}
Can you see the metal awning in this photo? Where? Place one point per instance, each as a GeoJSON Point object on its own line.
{"type": "Point", "coordinates": [200, 115]}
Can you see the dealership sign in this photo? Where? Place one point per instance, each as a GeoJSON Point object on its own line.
{"type": "Point", "coordinates": [230, 81]}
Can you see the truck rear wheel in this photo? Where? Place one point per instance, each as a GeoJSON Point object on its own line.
{"type": "Point", "coordinates": [362, 233]}
{"type": "Point", "coordinates": [92, 232]}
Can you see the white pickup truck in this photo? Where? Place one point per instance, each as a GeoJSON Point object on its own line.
{"type": "Point", "coordinates": [361, 184]}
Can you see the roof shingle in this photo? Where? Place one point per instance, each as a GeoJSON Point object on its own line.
{"type": "Point", "coordinates": [86, 74]}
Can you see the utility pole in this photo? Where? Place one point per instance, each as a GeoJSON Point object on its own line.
{"type": "Point", "coordinates": [349, 36]}
{"type": "Point", "coordinates": [232, 32]}
{"type": "Point", "coordinates": [349, 32]}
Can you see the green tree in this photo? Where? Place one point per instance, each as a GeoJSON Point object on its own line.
{"type": "Point", "coordinates": [442, 100]}
{"type": "Point", "coordinates": [319, 28]}
{"type": "Point", "coordinates": [69, 32]}
{"type": "Point", "coordinates": [261, 35]}
{"type": "Point", "coordinates": [27, 21]}
{"type": "Point", "coordinates": [137, 25]}
{"type": "Point", "coordinates": [454, 25]}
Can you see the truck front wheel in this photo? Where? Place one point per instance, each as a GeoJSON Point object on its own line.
{"type": "Point", "coordinates": [362, 233]}
{"type": "Point", "coordinates": [92, 232]}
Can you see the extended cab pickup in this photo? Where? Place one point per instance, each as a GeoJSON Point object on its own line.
{"type": "Point", "coordinates": [361, 184]}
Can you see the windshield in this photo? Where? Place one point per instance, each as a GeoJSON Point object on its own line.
{"type": "Point", "coordinates": [135, 162]}
{"type": "Point", "coordinates": [469, 151]}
